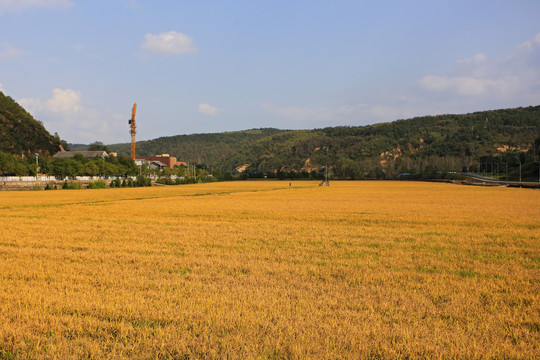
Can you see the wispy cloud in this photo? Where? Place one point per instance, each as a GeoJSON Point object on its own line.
{"type": "Point", "coordinates": [510, 76]}
{"type": "Point", "coordinates": [9, 52]}
{"type": "Point", "coordinates": [76, 121]}
{"type": "Point", "coordinates": [133, 4]}
{"type": "Point", "coordinates": [20, 5]}
{"type": "Point", "coordinates": [529, 45]}
{"type": "Point", "coordinates": [476, 83]}
{"type": "Point", "coordinates": [169, 43]}
{"type": "Point", "coordinates": [356, 114]}
{"type": "Point", "coordinates": [209, 110]}
{"type": "Point", "coordinates": [78, 47]}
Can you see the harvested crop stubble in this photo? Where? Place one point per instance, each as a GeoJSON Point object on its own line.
{"type": "Point", "coordinates": [261, 270]}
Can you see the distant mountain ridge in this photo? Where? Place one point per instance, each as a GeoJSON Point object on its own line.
{"type": "Point", "coordinates": [461, 138]}
{"type": "Point", "coordinates": [21, 133]}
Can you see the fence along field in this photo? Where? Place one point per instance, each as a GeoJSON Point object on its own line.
{"type": "Point", "coordinates": [261, 270]}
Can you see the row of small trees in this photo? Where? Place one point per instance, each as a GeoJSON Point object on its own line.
{"type": "Point", "coordinates": [76, 166]}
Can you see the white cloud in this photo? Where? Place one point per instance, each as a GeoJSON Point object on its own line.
{"type": "Point", "coordinates": [476, 59]}
{"type": "Point", "coordinates": [76, 121]}
{"type": "Point", "coordinates": [531, 43]}
{"type": "Point", "coordinates": [207, 109]}
{"type": "Point", "coordinates": [355, 114]}
{"type": "Point", "coordinates": [507, 80]}
{"type": "Point", "coordinates": [169, 43]}
{"type": "Point", "coordinates": [8, 51]}
{"type": "Point", "coordinates": [478, 83]}
{"type": "Point", "coordinates": [65, 101]}
{"type": "Point", "coordinates": [62, 102]}
{"type": "Point", "coordinates": [468, 86]}
{"type": "Point", "coordinates": [19, 5]}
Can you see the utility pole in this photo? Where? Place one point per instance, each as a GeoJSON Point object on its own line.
{"type": "Point", "coordinates": [37, 165]}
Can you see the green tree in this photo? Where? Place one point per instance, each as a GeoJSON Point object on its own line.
{"type": "Point", "coordinates": [91, 168]}
{"type": "Point", "coordinates": [98, 146]}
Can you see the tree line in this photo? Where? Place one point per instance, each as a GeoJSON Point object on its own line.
{"type": "Point", "coordinates": [67, 167]}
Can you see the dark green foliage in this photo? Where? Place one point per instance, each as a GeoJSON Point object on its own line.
{"type": "Point", "coordinates": [97, 184]}
{"type": "Point", "coordinates": [142, 181]}
{"type": "Point", "coordinates": [21, 134]}
{"type": "Point", "coordinates": [97, 146]}
{"type": "Point", "coordinates": [71, 185]}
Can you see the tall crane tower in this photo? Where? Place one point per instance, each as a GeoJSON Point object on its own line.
{"type": "Point", "coordinates": [133, 130]}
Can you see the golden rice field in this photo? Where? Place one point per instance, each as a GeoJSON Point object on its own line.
{"type": "Point", "coordinates": [261, 270]}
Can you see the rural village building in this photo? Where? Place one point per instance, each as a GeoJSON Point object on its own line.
{"type": "Point", "coordinates": [169, 161]}
{"type": "Point", "coordinates": [86, 154]}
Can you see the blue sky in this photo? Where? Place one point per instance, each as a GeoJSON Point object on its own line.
{"type": "Point", "coordinates": [212, 66]}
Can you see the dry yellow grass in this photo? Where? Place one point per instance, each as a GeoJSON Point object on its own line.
{"type": "Point", "coordinates": [256, 270]}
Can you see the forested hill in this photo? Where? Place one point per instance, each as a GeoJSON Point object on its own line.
{"type": "Point", "coordinates": [21, 133]}
{"type": "Point", "coordinates": [456, 140]}
{"type": "Point", "coordinates": [199, 148]}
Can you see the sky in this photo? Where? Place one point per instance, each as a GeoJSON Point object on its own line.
{"type": "Point", "coordinates": [202, 66]}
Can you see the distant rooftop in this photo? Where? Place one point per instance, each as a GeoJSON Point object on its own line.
{"type": "Point", "coordinates": [86, 154]}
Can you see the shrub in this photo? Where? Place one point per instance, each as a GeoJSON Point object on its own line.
{"type": "Point", "coordinates": [51, 187]}
{"type": "Point", "coordinates": [143, 181]}
{"type": "Point", "coordinates": [98, 184]}
{"type": "Point", "coordinates": [72, 185]}
{"type": "Point", "coordinates": [454, 176]}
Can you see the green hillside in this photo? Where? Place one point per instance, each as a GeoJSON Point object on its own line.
{"type": "Point", "coordinates": [199, 148]}
{"type": "Point", "coordinates": [21, 133]}
{"type": "Point", "coordinates": [422, 146]}
{"type": "Point", "coordinates": [447, 142]}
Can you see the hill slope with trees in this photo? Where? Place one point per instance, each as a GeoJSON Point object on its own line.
{"type": "Point", "coordinates": [199, 148]}
{"type": "Point", "coordinates": [439, 143]}
{"type": "Point", "coordinates": [21, 134]}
